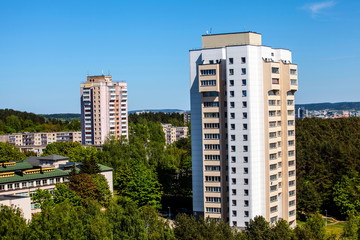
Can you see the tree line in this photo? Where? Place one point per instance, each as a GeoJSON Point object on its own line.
{"type": "Point", "coordinates": [12, 121]}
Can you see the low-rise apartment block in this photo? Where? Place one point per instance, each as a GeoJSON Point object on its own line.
{"type": "Point", "coordinates": [24, 178]}
{"type": "Point", "coordinates": [173, 133]}
{"type": "Point", "coordinates": [37, 142]}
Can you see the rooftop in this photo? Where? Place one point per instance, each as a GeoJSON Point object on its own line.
{"type": "Point", "coordinates": [231, 39]}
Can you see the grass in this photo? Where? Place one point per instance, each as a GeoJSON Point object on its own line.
{"type": "Point", "coordinates": [336, 228]}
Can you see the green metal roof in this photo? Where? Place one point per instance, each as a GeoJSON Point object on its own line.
{"type": "Point", "coordinates": [104, 168]}
{"type": "Point", "coordinates": [18, 166]}
{"type": "Point", "coordinates": [34, 176]}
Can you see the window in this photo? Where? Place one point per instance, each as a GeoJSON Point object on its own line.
{"type": "Point", "coordinates": [272, 102]}
{"type": "Point", "coordinates": [273, 198]}
{"type": "Point", "coordinates": [207, 72]}
{"type": "Point", "coordinates": [211, 104]}
{"type": "Point", "coordinates": [44, 181]}
{"type": "Point", "coordinates": [212, 178]}
{"type": "Point", "coordinates": [273, 188]}
{"type": "Point", "coordinates": [212, 115]}
{"type": "Point", "coordinates": [232, 93]}
{"type": "Point", "coordinates": [38, 182]}
{"type": "Point", "coordinates": [233, 181]}
{"type": "Point", "coordinates": [275, 81]}
{"type": "Point", "coordinates": [244, 104]}
{"type": "Point", "coordinates": [208, 82]}
{"type": "Point", "coordinates": [212, 146]}
{"type": "Point", "coordinates": [273, 177]}
{"type": "Point", "coordinates": [245, 148]}
{"type": "Point", "coordinates": [31, 184]}
{"type": "Point", "coordinates": [234, 213]}
{"type": "Point", "coordinates": [246, 181]}
{"type": "Point", "coordinates": [231, 61]}
{"type": "Point", "coordinates": [231, 83]}
{"type": "Point", "coordinates": [233, 170]}
{"type": "Point", "coordinates": [17, 185]}
{"type": "Point", "coordinates": [292, 213]}
{"type": "Point", "coordinates": [244, 126]}
{"type": "Point", "coordinates": [290, 112]}
{"type": "Point", "coordinates": [291, 193]}
{"type": "Point", "coordinates": [232, 126]}
{"type": "Point", "coordinates": [275, 70]}
{"type": "Point", "coordinates": [292, 203]}
{"type": "Point", "coordinates": [246, 170]}
{"type": "Point", "coordinates": [212, 157]}
{"type": "Point", "coordinates": [291, 163]}
{"type": "Point", "coordinates": [246, 203]}
{"type": "Point", "coordinates": [233, 192]}
{"type": "Point", "coordinates": [233, 159]}
{"type": "Point", "coordinates": [272, 134]}
{"type": "Point", "coordinates": [291, 133]}
{"type": "Point", "coordinates": [212, 125]}
{"type": "Point", "coordinates": [243, 60]}
{"type": "Point", "coordinates": [210, 94]}
{"type": "Point", "coordinates": [232, 138]}
{"type": "Point", "coordinates": [291, 173]}
{"type": "Point", "coordinates": [291, 183]}
{"type": "Point", "coordinates": [244, 93]}
{"type": "Point", "coordinates": [232, 115]}
{"type": "Point", "coordinates": [290, 102]}
{"type": "Point", "coordinates": [57, 180]}
{"type": "Point", "coordinates": [231, 71]}
{"type": "Point", "coordinates": [291, 123]}
{"type": "Point", "coordinates": [246, 159]}
{"type": "Point", "coordinates": [245, 137]}
{"type": "Point", "coordinates": [51, 181]}
{"type": "Point", "coordinates": [291, 153]}
{"type": "Point", "coordinates": [273, 220]}
{"type": "Point", "coordinates": [272, 113]}
{"type": "Point", "coordinates": [213, 210]}
{"type": "Point", "coordinates": [243, 82]}
{"type": "Point", "coordinates": [212, 168]}
{"type": "Point", "coordinates": [246, 192]}
{"type": "Point", "coordinates": [246, 213]}
{"type": "Point", "coordinates": [2, 187]}
{"type": "Point", "coordinates": [293, 82]}
{"type": "Point", "coordinates": [273, 167]}
{"type": "Point", "coordinates": [232, 104]}
{"type": "Point", "coordinates": [24, 184]}
{"type": "Point", "coordinates": [273, 209]}
{"type": "Point", "coordinates": [293, 71]}
{"type": "Point", "coordinates": [272, 124]}
{"type": "Point", "coordinates": [9, 186]}
{"type": "Point", "coordinates": [243, 71]}
{"type": "Point", "coordinates": [213, 199]}
{"type": "Point", "coordinates": [213, 189]}
{"type": "Point", "coordinates": [211, 136]}
{"type": "Point", "coordinates": [244, 115]}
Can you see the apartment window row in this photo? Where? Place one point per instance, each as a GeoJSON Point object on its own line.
{"type": "Point", "coordinates": [211, 104]}
{"type": "Point", "coordinates": [11, 186]}
{"type": "Point", "coordinates": [212, 125]}
{"type": "Point", "coordinates": [291, 163]}
{"type": "Point", "coordinates": [212, 115]}
{"type": "Point", "coordinates": [212, 168]}
{"type": "Point", "coordinates": [213, 199]}
{"type": "Point", "coordinates": [273, 167]}
{"type": "Point", "coordinates": [213, 189]}
{"type": "Point", "coordinates": [291, 123]}
{"type": "Point", "coordinates": [293, 82]}
{"type": "Point", "coordinates": [213, 210]}
{"type": "Point", "coordinates": [231, 71]}
{"type": "Point", "coordinates": [273, 177]}
{"type": "Point", "coordinates": [207, 72]}
{"type": "Point", "coordinates": [290, 102]}
{"type": "Point", "coordinates": [273, 188]}
{"type": "Point", "coordinates": [212, 178]}
{"type": "Point", "coordinates": [291, 133]}
{"type": "Point", "coordinates": [292, 203]}
{"type": "Point", "coordinates": [210, 136]}
{"type": "Point", "coordinates": [212, 146]}
{"type": "Point", "coordinates": [210, 94]}
{"type": "Point", "coordinates": [212, 157]}
{"type": "Point", "coordinates": [208, 83]}
{"type": "Point", "coordinates": [291, 193]}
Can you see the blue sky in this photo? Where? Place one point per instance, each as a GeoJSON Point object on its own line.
{"type": "Point", "coordinates": [48, 47]}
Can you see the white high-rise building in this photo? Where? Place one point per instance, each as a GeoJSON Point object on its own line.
{"type": "Point", "coordinates": [104, 109]}
{"type": "Point", "coordinates": [243, 129]}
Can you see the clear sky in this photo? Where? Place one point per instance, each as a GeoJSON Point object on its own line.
{"type": "Point", "coordinates": [48, 47]}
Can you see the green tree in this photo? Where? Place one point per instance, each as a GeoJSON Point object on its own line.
{"type": "Point", "coordinates": [42, 198]}
{"type": "Point", "coordinates": [351, 229]}
{"type": "Point", "coordinates": [14, 123]}
{"type": "Point", "coordinates": [13, 225]}
{"type": "Point", "coordinates": [347, 195]}
{"type": "Point", "coordinates": [10, 153]}
{"type": "Point", "coordinates": [63, 193]}
{"type": "Point", "coordinates": [89, 165]}
{"type": "Point", "coordinates": [102, 186]}
{"type": "Point", "coordinates": [84, 186]}
{"type": "Point", "coordinates": [258, 229]}
{"type": "Point", "coordinates": [281, 231]}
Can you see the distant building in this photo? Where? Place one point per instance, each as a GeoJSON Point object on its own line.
{"type": "Point", "coordinates": [104, 109]}
{"type": "Point", "coordinates": [187, 117]}
{"type": "Point", "coordinates": [24, 178]}
{"type": "Point", "coordinates": [301, 113]}
{"type": "Point", "coordinates": [173, 133]}
{"type": "Point", "coordinates": [37, 142]}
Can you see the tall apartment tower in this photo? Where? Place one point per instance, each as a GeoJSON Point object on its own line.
{"type": "Point", "coordinates": [243, 129]}
{"type": "Point", "coordinates": [104, 111]}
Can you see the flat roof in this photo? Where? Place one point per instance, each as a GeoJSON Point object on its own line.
{"type": "Point", "coordinates": [18, 166]}
{"type": "Point", "coordinates": [34, 176]}
{"type": "Point", "coordinates": [229, 33]}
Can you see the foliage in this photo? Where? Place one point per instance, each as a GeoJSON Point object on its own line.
{"type": "Point", "coordinates": [84, 186]}
{"type": "Point", "coordinates": [347, 195]}
{"type": "Point", "coordinates": [13, 225]}
{"type": "Point", "coordinates": [258, 229]}
{"type": "Point", "coordinates": [42, 198]}
{"type": "Point", "coordinates": [63, 193]}
{"type": "Point", "coordinates": [10, 153]}
{"type": "Point", "coordinates": [12, 121]}
{"type": "Point", "coordinates": [73, 150]}
{"type": "Point", "coordinates": [89, 165]}
{"type": "Point", "coordinates": [103, 191]}
{"type": "Point", "coordinates": [352, 228]}
{"type": "Point", "coordinates": [176, 119]}
{"type": "Point", "coordinates": [327, 150]}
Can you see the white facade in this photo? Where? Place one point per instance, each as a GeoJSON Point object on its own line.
{"type": "Point", "coordinates": [244, 121]}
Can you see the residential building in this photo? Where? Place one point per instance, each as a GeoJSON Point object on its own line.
{"type": "Point", "coordinates": [37, 142]}
{"type": "Point", "coordinates": [187, 117]}
{"type": "Point", "coordinates": [173, 133]}
{"type": "Point", "coordinates": [24, 178]}
{"type": "Point", "coordinates": [243, 129]}
{"type": "Point", "coordinates": [104, 109]}
{"type": "Point", "coordinates": [21, 202]}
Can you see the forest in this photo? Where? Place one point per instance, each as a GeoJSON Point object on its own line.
{"type": "Point", "coordinates": [151, 179]}
{"type": "Point", "coordinates": [12, 121]}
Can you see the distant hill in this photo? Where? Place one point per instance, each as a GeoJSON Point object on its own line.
{"type": "Point", "coordinates": [62, 116]}
{"type": "Point", "coordinates": [331, 106]}
{"type": "Point", "coordinates": [158, 110]}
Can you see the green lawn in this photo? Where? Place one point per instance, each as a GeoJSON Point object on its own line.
{"type": "Point", "coordinates": [337, 228]}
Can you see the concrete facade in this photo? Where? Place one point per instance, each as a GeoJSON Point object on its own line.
{"type": "Point", "coordinates": [173, 133]}
{"type": "Point", "coordinates": [104, 109]}
{"type": "Point", "coordinates": [243, 129]}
